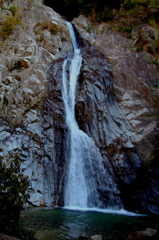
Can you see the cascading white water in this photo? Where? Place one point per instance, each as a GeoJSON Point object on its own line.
{"type": "Point", "coordinates": [76, 187]}
{"type": "Point", "coordinates": [86, 166]}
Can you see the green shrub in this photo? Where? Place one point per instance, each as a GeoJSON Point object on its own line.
{"type": "Point", "coordinates": [23, 233]}
{"type": "Point", "coordinates": [8, 26]}
{"type": "Point", "coordinates": [157, 45]}
{"type": "Point", "coordinates": [15, 191]}
{"type": "Point", "coordinates": [155, 62]}
{"type": "Point", "coordinates": [143, 10]}
{"type": "Point", "coordinates": [125, 29]}
{"type": "Point", "coordinates": [155, 25]}
{"type": "Point", "coordinates": [13, 9]}
{"type": "Point", "coordinates": [122, 28]}
{"type": "Point", "coordinates": [150, 49]}
{"type": "Point", "coordinates": [130, 35]}
{"type": "Point", "coordinates": [105, 15]}
{"type": "Point", "coordinates": [88, 29]}
{"type": "Point", "coordinates": [139, 47]}
{"type": "Point", "coordinates": [127, 5]}
{"type": "Point", "coordinates": [53, 28]}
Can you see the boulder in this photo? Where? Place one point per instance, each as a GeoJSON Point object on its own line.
{"type": "Point", "coordinates": [6, 237]}
{"type": "Point", "coordinates": [84, 237]}
{"type": "Point", "coordinates": [96, 237]}
{"type": "Point", "coordinates": [139, 235]}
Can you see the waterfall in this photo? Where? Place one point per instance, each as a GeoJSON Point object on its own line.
{"type": "Point", "coordinates": [86, 174]}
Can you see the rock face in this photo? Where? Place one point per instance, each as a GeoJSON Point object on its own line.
{"type": "Point", "coordinates": [30, 108]}
{"type": "Point", "coordinates": [135, 88]}
{"type": "Point", "coordinates": [100, 117]}
{"type": "Point", "coordinates": [116, 105]}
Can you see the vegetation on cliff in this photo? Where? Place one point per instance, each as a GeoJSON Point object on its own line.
{"type": "Point", "coordinates": [104, 10]}
{"type": "Point", "coordinates": [15, 191]}
{"type": "Point", "coordinates": [8, 24]}
{"type": "Point", "coordinates": [123, 16]}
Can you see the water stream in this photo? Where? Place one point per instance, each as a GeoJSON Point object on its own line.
{"type": "Point", "coordinates": [76, 187]}
{"type": "Point", "coordinates": [87, 175]}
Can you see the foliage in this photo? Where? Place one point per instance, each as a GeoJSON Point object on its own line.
{"type": "Point", "coordinates": [145, 9]}
{"type": "Point", "coordinates": [39, 27]}
{"type": "Point", "coordinates": [125, 29]}
{"type": "Point", "coordinates": [155, 62]}
{"type": "Point", "coordinates": [44, 25]}
{"type": "Point", "coordinates": [130, 35]}
{"type": "Point", "coordinates": [156, 26]}
{"type": "Point", "coordinates": [154, 4]}
{"type": "Point", "coordinates": [136, 11]}
{"type": "Point", "coordinates": [53, 28]}
{"type": "Point", "coordinates": [14, 193]}
{"type": "Point", "coordinates": [150, 49]}
{"type": "Point", "coordinates": [138, 46]}
{"type": "Point", "coordinates": [8, 26]}
{"type": "Point", "coordinates": [23, 233]}
{"type": "Point", "coordinates": [13, 9]}
{"type": "Point", "coordinates": [129, 4]}
{"type": "Point", "coordinates": [105, 15]}
{"type": "Point", "coordinates": [97, 10]}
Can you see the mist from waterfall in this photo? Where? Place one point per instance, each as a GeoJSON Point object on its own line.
{"type": "Point", "coordinates": [86, 174]}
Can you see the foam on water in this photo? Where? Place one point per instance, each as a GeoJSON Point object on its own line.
{"type": "Point", "coordinates": [108, 211]}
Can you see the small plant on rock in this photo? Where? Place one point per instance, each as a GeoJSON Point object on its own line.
{"type": "Point", "coordinates": [138, 46]}
{"type": "Point", "coordinates": [155, 62]}
{"type": "Point", "coordinates": [13, 9]}
{"type": "Point", "coordinates": [8, 26]}
{"type": "Point", "coordinates": [53, 28]}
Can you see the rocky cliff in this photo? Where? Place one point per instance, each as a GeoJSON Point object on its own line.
{"type": "Point", "coordinates": [29, 119]}
{"type": "Point", "coordinates": [135, 89]}
{"type": "Point", "coordinates": [116, 104]}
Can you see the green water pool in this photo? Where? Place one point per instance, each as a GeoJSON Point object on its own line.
{"type": "Point", "coordinates": [60, 224]}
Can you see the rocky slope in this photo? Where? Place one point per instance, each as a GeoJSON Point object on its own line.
{"type": "Point", "coordinates": [117, 104]}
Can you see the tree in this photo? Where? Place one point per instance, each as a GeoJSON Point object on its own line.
{"type": "Point", "coordinates": [154, 9]}
{"type": "Point", "coordinates": [14, 192]}
{"type": "Point", "coordinates": [72, 8]}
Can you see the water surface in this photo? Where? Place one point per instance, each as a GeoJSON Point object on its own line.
{"type": "Point", "coordinates": [63, 224]}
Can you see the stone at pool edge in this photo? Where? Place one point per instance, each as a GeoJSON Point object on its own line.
{"type": "Point", "coordinates": [146, 233]}
{"type": "Point", "coordinates": [6, 237]}
{"type": "Point", "coordinates": [86, 237]}
{"type": "Point", "coordinates": [96, 237]}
